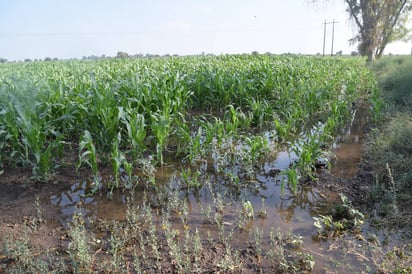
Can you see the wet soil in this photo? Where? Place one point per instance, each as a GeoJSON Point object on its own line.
{"type": "Point", "coordinates": [21, 200]}
{"type": "Point", "coordinates": [43, 211]}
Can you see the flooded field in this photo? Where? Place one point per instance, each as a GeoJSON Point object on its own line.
{"type": "Point", "coordinates": [272, 206]}
{"type": "Point", "coordinates": [215, 206]}
{"type": "Point", "coordinates": [177, 165]}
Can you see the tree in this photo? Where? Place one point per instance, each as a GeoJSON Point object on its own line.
{"type": "Point", "coordinates": [380, 22]}
{"type": "Point", "coordinates": [122, 54]}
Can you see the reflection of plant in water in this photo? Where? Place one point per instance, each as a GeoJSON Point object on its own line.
{"type": "Point", "coordinates": [117, 158]}
{"type": "Point", "coordinates": [262, 211]}
{"type": "Point", "coordinates": [300, 199]}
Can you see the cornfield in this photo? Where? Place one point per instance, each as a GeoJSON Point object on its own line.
{"type": "Point", "coordinates": [231, 111]}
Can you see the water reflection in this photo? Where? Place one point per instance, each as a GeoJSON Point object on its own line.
{"type": "Point", "coordinates": [288, 211]}
{"type": "Point", "coordinates": [285, 210]}
{"type": "Point", "coordinates": [348, 150]}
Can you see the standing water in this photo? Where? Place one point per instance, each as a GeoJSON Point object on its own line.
{"type": "Point", "coordinates": [273, 206]}
{"type": "Point", "coordinates": [348, 150]}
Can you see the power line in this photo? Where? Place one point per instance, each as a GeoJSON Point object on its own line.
{"type": "Point", "coordinates": [120, 33]}
{"type": "Point", "coordinates": [152, 31]}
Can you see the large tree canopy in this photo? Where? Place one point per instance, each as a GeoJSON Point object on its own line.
{"type": "Point", "coordinates": [380, 22]}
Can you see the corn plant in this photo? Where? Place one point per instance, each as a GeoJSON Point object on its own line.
{"type": "Point", "coordinates": [160, 125]}
{"type": "Point", "coordinates": [32, 129]}
{"type": "Point", "coordinates": [10, 133]}
{"type": "Point", "coordinates": [88, 156]}
{"type": "Point", "coordinates": [136, 131]}
{"type": "Point", "coordinates": [292, 178]}
{"type": "Point", "coordinates": [257, 147]}
{"type": "Point", "coordinates": [183, 137]}
{"type": "Point", "coordinates": [102, 113]}
{"type": "Point", "coordinates": [195, 146]}
{"type": "Point", "coordinates": [232, 120]}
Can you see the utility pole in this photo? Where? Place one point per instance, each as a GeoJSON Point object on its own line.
{"type": "Point", "coordinates": [324, 34]}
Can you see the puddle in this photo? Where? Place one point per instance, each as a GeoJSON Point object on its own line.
{"type": "Point", "coordinates": [348, 149]}
{"type": "Point", "coordinates": [286, 211]}
{"type": "Point", "coordinates": [348, 158]}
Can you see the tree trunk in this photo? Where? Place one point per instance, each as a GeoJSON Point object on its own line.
{"type": "Point", "coordinates": [371, 56]}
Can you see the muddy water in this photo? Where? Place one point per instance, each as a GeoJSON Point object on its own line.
{"type": "Point", "coordinates": [348, 149]}
{"type": "Point", "coordinates": [285, 211]}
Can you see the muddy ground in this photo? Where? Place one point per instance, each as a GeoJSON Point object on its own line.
{"type": "Point", "coordinates": [21, 199]}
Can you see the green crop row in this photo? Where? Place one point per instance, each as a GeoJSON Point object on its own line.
{"type": "Point", "coordinates": [118, 112]}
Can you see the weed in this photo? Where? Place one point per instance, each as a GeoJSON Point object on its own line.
{"type": "Point", "coordinates": [79, 249]}
{"type": "Point", "coordinates": [345, 217]}
{"type": "Point", "coordinates": [258, 240]}
{"type": "Point", "coordinates": [247, 209]}
{"type": "Point", "coordinates": [230, 261]}
{"type": "Point", "coordinates": [207, 214]}
{"type": "Point", "coordinates": [394, 80]}
{"type": "Point", "coordinates": [148, 170]}
{"type": "Point", "coordinates": [19, 250]}
{"type": "Point", "coordinates": [38, 220]}
{"type": "Point", "coordinates": [116, 243]}
{"type": "Point", "coordinates": [391, 146]}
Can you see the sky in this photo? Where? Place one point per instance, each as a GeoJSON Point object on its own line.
{"type": "Point", "coordinates": [76, 28]}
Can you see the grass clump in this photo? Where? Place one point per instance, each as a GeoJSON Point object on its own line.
{"type": "Point", "coordinates": [395, 80]}
{"type": "Point", "coordinates": [393, 146]}
{"type": "Point", "coordinates": [390, 154]}
{"type": "Point", "coordinates": [389, 149]}
{"type": "Point", "coordinates": [79, 249]}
